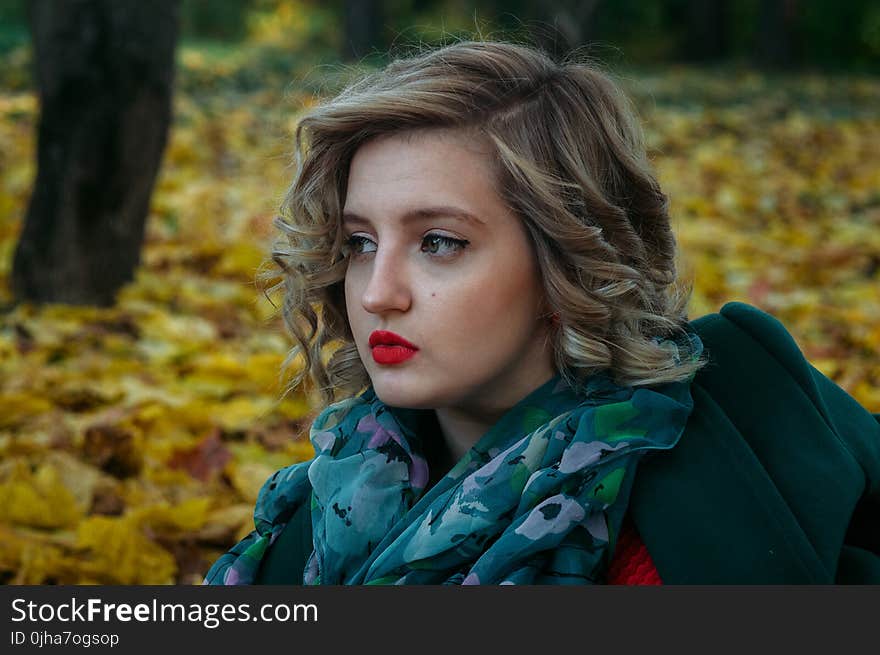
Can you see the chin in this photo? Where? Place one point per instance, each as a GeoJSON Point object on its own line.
{"type": "Point", "coordinates": [396, 391]}
{"type": "Point", "coordinates": [403, 399]}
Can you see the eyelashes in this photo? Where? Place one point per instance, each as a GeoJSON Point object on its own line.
{"type": "Point", "coordinates": [437, 245]}
{"type": "Point", "coordinates": [354, 245]}
{"type": "Point", "coordinates": [437, 241]}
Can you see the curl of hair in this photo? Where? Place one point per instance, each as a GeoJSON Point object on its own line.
{"type": "Point", "coordinates": [570, 162]}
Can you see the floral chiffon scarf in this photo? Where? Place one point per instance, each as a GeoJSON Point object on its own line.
{"type": "Point", "coordinates": [539, 499]}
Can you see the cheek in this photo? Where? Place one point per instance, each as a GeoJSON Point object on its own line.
{"type": "Point", "coordinates": [498, 308]}
{"type": "Point", "coordinates": [353, 306]}
{"type": "Point", "coordinates": [349, 293]}
{"type": "Point", "coordinates": [512, 291]}
{"type": "Point", "coordinates": [354, 286]}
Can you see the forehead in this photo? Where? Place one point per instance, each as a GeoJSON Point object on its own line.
{"type": "Point", "coordinates": [414, 170]}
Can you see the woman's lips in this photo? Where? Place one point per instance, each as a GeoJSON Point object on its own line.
{"type": "Point", "coordinates": [390, 348]}
{"type": "Point", "coordinates": [391, 354]}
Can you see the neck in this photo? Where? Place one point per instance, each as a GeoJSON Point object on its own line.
{"type": "Point", "coordinates": [462, 427]}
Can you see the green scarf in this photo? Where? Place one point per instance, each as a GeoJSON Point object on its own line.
{"type": "Point", "coordinates": [539, 499]}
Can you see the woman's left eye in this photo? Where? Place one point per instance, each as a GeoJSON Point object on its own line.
{"type": "Point", "coordinates": [439, 244]}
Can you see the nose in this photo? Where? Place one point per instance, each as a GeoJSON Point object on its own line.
{"type": "Point", "coordinates": [388, 287]}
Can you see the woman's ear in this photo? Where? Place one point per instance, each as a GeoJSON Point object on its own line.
{"type": "Point", "coordinates": [549, 313]}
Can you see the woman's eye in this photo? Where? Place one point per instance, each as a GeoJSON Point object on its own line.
{"type": "Point", "coordinates": [438, 244]}
{"type": "Point", "coordinates": [358, 245]}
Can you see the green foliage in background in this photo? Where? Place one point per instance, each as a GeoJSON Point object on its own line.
{"type": "Point", "coordinates": [827, 34]}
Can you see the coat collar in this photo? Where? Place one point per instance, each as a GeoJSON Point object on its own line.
{"type": "Point", "coordinates": [708, 512]}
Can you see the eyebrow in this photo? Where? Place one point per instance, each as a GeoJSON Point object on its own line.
{"type": "Point", "coordinates": [422, 214]}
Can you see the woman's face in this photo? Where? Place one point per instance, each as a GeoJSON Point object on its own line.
{"type": "Point", "coordinates": [437, 259]}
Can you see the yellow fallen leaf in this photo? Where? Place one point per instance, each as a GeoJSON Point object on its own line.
{"type": "Point", "coordinates": [166, 519]}
{"type": "Point", "coordinates": [242, 258]}
{"type": "Point", "coordinates": [239, 413]}
{"type": "Point", "coordinates": [121, 554]}
{"type": "Point", "coordinates": [225, 522]}
{"type": "Point", "coordinates": [80, 479]}
{"type": "Point", "coordinates": [38, 499]}
{"type": "Point", "coordinates": [16, 408]}
{"type": "Point", "coordinates": [248, 477]}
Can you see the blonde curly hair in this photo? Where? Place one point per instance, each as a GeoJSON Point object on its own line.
{"type": "Point", "coordinates": [571, 164]}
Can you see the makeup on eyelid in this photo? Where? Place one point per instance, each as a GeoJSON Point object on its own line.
{"type": "Point", "coordinates": [453, 243]}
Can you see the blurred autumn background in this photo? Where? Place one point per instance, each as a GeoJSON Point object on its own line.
{"type": "Point", "coordinates": [144, 148]}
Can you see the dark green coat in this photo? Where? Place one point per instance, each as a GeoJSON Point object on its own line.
{"type": "Point", "coordinates": [776, 479]}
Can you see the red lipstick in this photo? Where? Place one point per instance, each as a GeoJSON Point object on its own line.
{"type": "Point", "coordinates": [390, 348]}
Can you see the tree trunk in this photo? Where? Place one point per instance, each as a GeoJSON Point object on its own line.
{"type": "Point", "coordinates": [362, 28]}
{"type": "Point", "coordinates": [776, 38]}
{"type": "Point", "coordinates": [707, 36]}
{"type": "Point", "coordinates": [104, 69]}
{"type": "Point", "coordinates": [564, 25]}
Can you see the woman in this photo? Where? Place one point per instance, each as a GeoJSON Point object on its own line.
{"type": "Point", "coordinates": [515, 394]}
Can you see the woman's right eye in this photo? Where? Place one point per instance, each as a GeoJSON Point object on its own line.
{"type": "Point", "coordinates": [358, 244]}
